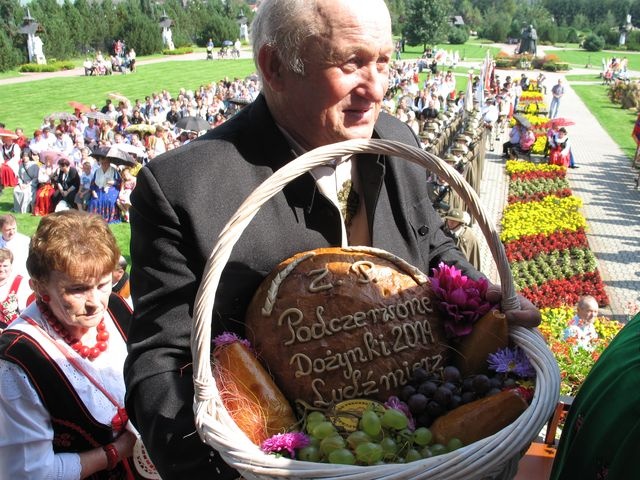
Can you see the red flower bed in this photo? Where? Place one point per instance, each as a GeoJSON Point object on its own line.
{"type": "Point", "coordinates": [538, 196]}
{"type": "Point", "coordinates": [529, 246]}
{"type": "Point", "coordinates": [557, 293]}
{"type": "Point", "coordinates": [537, 174]}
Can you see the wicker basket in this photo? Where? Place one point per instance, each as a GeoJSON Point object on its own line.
{"type": "Point", "coordinates": [495, 456]}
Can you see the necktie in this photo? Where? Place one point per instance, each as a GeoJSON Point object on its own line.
{"type": "Point", "coordinates": [349, 201]}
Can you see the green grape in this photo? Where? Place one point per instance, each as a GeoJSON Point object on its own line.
{"type": "Point", "coordinates": [323, 430]}
{"type": "Point", "coordinates": [395, 419]}
{"type": "Point", "coordinates": [310, 426]}
{"type": "Point", "coordinates": [309, 454]}
{"type": "Point", "coordinates": [426, 452]}
{"type": "Point", "coordinates": [438, 449]}
{"type": "Point", "coordinates": [370, 423]}
{"type": "Point", "coordinates": [454, 444]}
{"type": "Point", "coordinates": [389, 447]}
{"type": "Point", "coordinates": [356, 438]}
{"type": "Point", "coordinates": [314, 442]}
{"type": "Point", "coordinates": [412, 455]}
{"type": "Point", "coordinates": [331, 443]}
{"type": "Point", "coordinates": [315, 417]}
{"type": "Point", "coordinates": [422, 436]}
{"type": "Point", "coordinates": [342, 456]}
{"type": "Point", "coordinates": [369, 453]}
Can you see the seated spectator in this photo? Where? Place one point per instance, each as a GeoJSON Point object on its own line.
{"type": "Point", "coordinates": [105, 187]}
{"type": "Point", "coordinates": [580, 329]}
{"type": "Point", "coordinates": [120, 279]}
{"type": "Point", "coordinates": [527, 139]}
{"type": "Point", "coordinates": [84, 189]}
{"type": "Point", "coordinates": [43, 204]}
{"type": "Point", "coordinates": [24, 193]}
{"type": "Point", "coordinates": [66, 183]}
{"type": "Point", "coordinates": [514, 140]}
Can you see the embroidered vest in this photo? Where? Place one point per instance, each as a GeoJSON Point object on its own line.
{"type": "Point", "coordinates": [74, 428]}
{"type": "Point", "coordinates": [9, 306]}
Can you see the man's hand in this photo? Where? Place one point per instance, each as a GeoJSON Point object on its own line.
{"type": "Point", "coordinates": [527, 316]}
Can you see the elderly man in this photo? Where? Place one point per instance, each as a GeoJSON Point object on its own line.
{"type": "Point", "coordinates": [324, 65]}
{"type": "Point", "coordinates": [15, 241]}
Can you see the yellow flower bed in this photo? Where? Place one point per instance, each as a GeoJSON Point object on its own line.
{"type": "Point", "coordinates": [547, 216]}
{"type": "Point", "coordinates": [519, 166]}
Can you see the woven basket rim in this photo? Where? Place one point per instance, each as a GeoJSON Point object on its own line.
{"type": "Point", "coordinates": [485, 457]}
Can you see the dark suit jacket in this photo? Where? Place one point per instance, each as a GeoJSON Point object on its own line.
{"type": "Point", "coordinates": [71, 183]}
{"type": "Point", "coordinates": [181, 203]}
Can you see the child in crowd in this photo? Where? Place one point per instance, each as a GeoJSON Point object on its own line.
{"type": "Point", "coordinates": [124, 197]}
{"type": "Point", "coordinates": [581, 326]}
{"type": "Point", "coordinates": [83, 195]}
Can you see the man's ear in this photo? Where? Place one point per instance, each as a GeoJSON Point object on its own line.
{"type": "Point", "coordinates": [271, 68]}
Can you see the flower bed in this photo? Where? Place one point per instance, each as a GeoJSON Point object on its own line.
{"type": "Point", "coordinates": [544, 236]}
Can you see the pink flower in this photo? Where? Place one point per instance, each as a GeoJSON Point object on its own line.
{"type": "Point", "coordinates": [226, 338]}
{"type": "Point", "coordinates": [285, 442]}
{"type": "Point", "coordinates": [460, 297]}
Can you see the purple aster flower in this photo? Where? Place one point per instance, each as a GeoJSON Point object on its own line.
{"type": "Point", "coordinates": [397, 404]}
{"type": "Point", "coordinates": [513, 361]}
{"type": "Point", "coordinates": [460, 297]}
{"type": "Point", "coordinates": [289, 442]}
{"type": "Point", "coordinates": [226, 338]}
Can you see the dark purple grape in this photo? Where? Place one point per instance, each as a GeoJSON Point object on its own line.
{"type": "Point", "coordinates": [434, 409]}
{"type": "Point", "coordinates": [468, 397]}
{"type": "Point", "coordinates": [456, 401]}
{"type": "Point", "coordinates": [443, 396]}
{"type": "Point", "coordinates": [451, 374]}
{"type": "Point", "coordinates": [496, 382]}
{"type": "Point", "coordinates": [419, 375]}
{"type": "Point", "coordinates": [406, 392]}
{"type": "Point", "coordinates": [423, 420]}
{"type": "Point", "coordinates": [451, 386]}
{"type": "Point", "coordinates": [417, 403]}
{"type": "Point", "coordinates": [481, 384]}
{"type": "Point", "coordinates": [467, 384]}
{"type": "Point", "coordinates": [492, 391]}
{"type": "Point", "coordinates": [427, 388]}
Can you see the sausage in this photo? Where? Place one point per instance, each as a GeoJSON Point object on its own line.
{"type": "Point", "coordinates": [480, 418]}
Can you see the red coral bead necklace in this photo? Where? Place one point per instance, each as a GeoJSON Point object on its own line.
{"type": "Point", "coordinates": [102, 337]}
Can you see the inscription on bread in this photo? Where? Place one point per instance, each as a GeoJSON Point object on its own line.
{"type": "Point", "coordinates": [337, 324]}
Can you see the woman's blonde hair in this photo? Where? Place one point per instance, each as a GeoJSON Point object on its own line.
{"type": "Point", "coordinates": [74, 242]}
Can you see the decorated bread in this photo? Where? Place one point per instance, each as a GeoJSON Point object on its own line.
{"type": "Point", "coordinates": [335, 324]}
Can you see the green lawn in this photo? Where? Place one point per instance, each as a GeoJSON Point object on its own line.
{"type": "Point", "coordinates": [580, 58]}
{"type": "Point", "coordinates": [617, 122]}
{"type": "Point", "coordinates": [25, 104]}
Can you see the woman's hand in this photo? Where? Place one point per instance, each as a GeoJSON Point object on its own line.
{"type": "Point", "coordinates": [527, 315]}
{"type": "Point", "coordinates": [124, 443]}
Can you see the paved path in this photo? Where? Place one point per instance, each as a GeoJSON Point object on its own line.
{"type": "Point", "coordinates": [611, 203]}
{"type": "Point", "coordinates": [603, 181]}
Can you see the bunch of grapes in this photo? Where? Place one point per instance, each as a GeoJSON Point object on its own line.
{"type": "Point", "coordinates": [431, 395]}
{"type": "Point", "coordinates": [383, 436]}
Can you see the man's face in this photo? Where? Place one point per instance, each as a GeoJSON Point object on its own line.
{"type": "Point", "coordinates": [346, 77]}
{"type": "Point", "coordinates": [9, 231]}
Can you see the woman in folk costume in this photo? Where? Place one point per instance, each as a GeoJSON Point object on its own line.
{"type": "Point", "coordinates": [10, 160]}
{"type": "Point", "coordinates": [25, 191]}
{"type": "Point", "coordinates": [105, 188]}
{"type": "Point", "coordinates": [561, 153]}
{"type": "Point", "coordinates": [14, 290]}
{"type": "Point", "coordinates": [43, 204]}
{"type": "Point", "coordinates": [61, 361]}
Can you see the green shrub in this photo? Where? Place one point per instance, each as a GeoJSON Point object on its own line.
{"type": "Point", "coordinates": [178, 51]}
{"type": "Point", "coordinates": [593, 43]}
{"type": "Point", "coordinates": [504, 62]}
{"type": "Point", "coordinates": [458, 36]}
{"type": "Point", "coordinates": [550, 67]}
{"type": "Point", "coordinates": [572, 36]}
{"type": "Point", "coordinates": [9, 56]}
{"type": "Point", "coordinates": [53, 66]}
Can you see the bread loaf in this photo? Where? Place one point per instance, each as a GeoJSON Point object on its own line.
{"type": "Point", "coordinates": [336, 324]}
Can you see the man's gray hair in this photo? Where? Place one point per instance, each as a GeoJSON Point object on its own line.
{"type": "Point", "coordinates": [284, 25]}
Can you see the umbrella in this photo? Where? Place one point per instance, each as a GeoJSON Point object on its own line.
{"type": "Point", "coordinates": [562, 122]}
{"type": "Point", "coordinates": [97, 115]}
{"type": "Point", "coordinates": [81, 107]}
{"type": "Point", "coordinates": [61, 116]}
{"type": "Point", "coordinates": [140, 128]}
{"type": "Point", "coordinates": [7, 133]}
{"type": "Point", "coordinates": [118, 97]}
{"type": "Point", "coordinates": [239, 101]}
{"type": "Point", "coordinates": [193, 124]}
{"type": "Point", "coordinates": [227, 43]}
{"type": "Point", "coordinates": [116, 155]}
{"type": "Point", "coordinates": [128, 148]}
{"type": "Point", "coordinates": [524, 121]}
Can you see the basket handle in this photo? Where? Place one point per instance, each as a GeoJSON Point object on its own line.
{"type": "Point", "coordinates": [203, 309]}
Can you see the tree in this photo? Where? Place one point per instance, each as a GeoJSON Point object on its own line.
{"type": "Point", "coordinates": [427, 22]}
